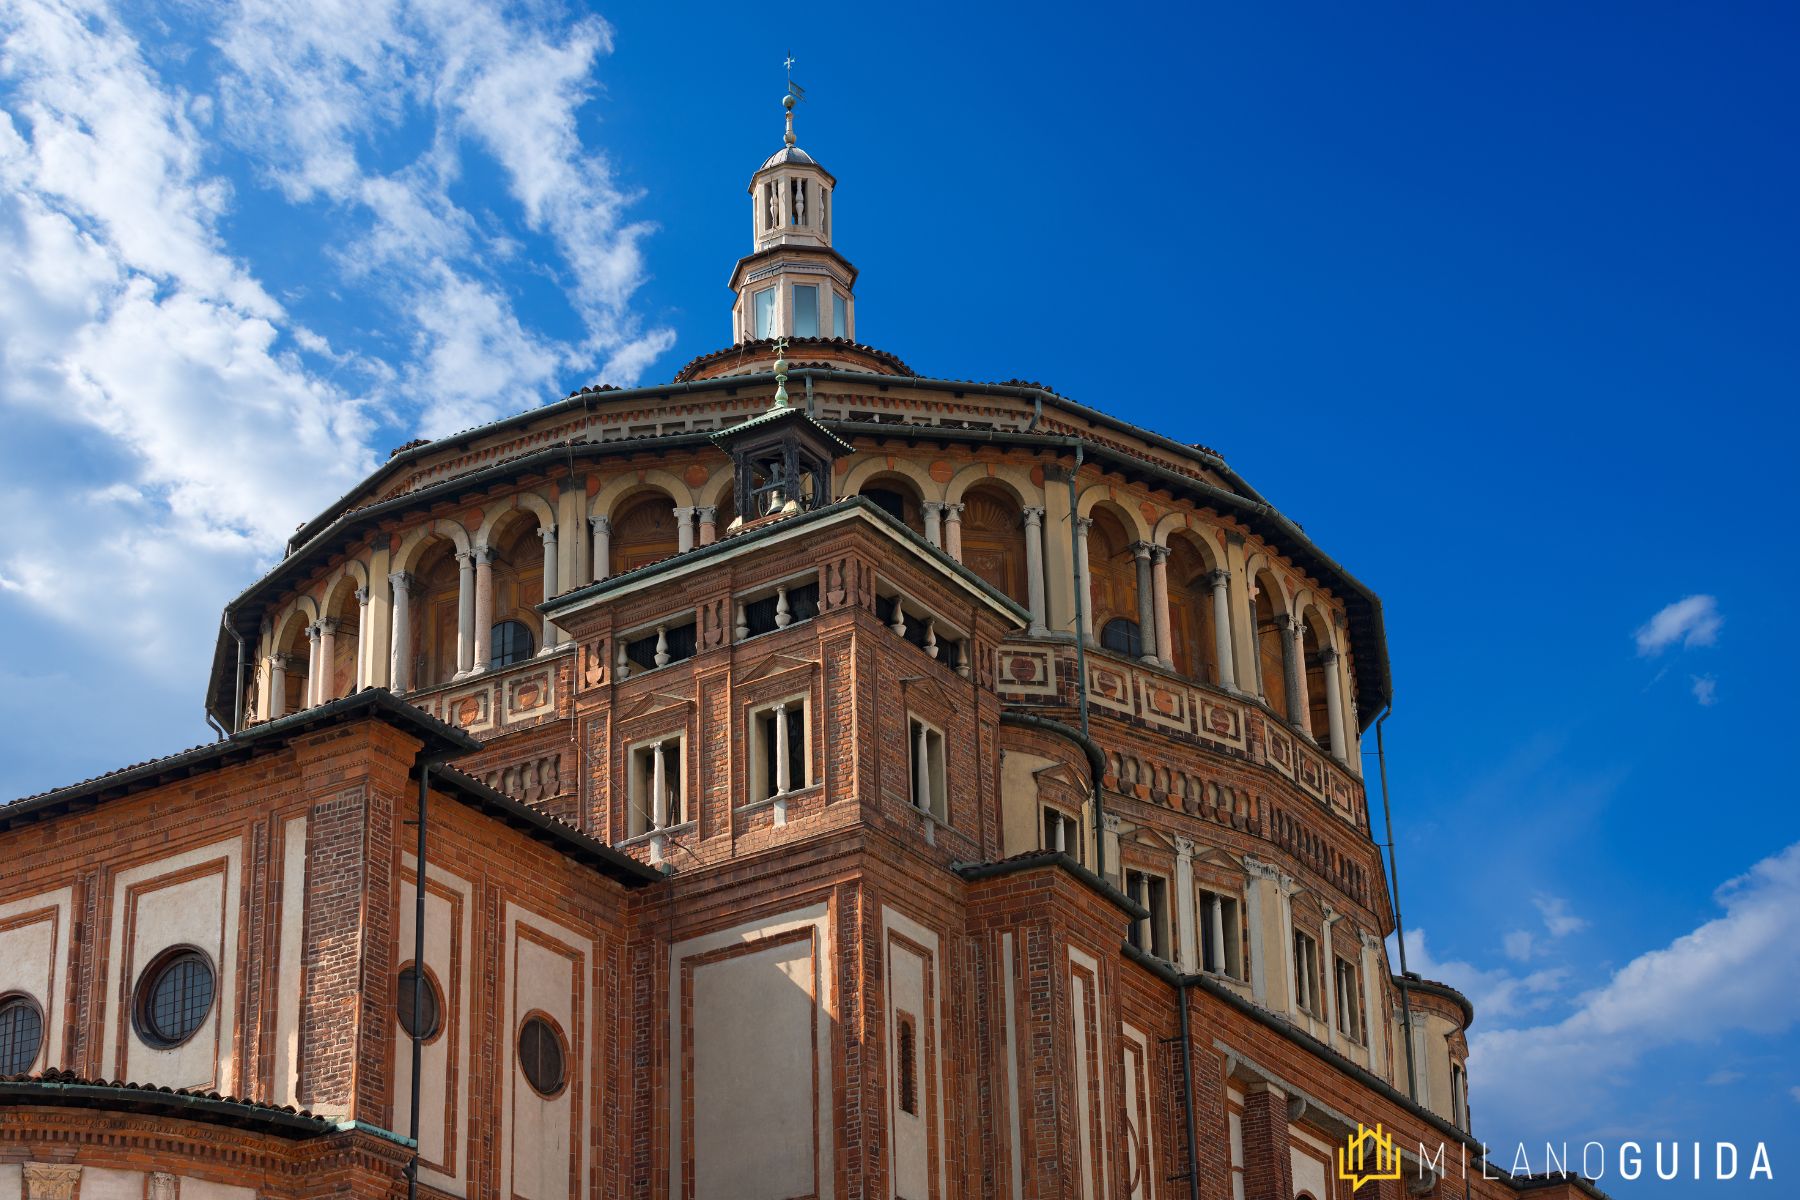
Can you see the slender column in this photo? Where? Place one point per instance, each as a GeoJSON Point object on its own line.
{"type": "Point", "coordinates": [1334, 704]}
{"type": "Point", "coordinates": [684, 529]}
{"type": "Point", "coordinates": [953, 530]}
{"type": "Point", "coordinates": [327, 661]}
{"type": "Point", "coordinates": [1141, 893]}
{"type": "Point", "coordinates": [782, 781]}
{"type": "Point", "coordinates": [313, 634]}
{"type": "Point", "coordinates": [1082, 578]}
{"type": "Point", "coordinates": [1034, 569]}
{"type": "Point", "coordinates": [1146, 608]}
{"type": "Point", "coordinates": [659, 789]}
{"type": "Point", "coordinates": [1215, 916]}
{"type": "Point", "coordinates": [1187, 931]}
{"type": "Point", "coordinates": [922, 772]}
{"type": "Point", "coordinates": [602, 528]}
{"type": "Point", "coordinates": [277, 686]}
{"type": "Point", "coordinates": [1221, 597]}
{"type": "Point", "coordinates": [465, 612]}
{"type": "Point", "coordinates": [484, 608]}
{"type": "Point", "coordinates": [1159, 596]}
{"type": "Point", "coordinates": [552, 635]}
{"type": "Point", "coordinates": [709, 524]}
{"type": "Point", "coordinates": [934, 513]}
{"type": "Point", "coordinates": [400, 656]}
{"type": "Point", "coordinates": [362, 639]}
{"type": "Point", "coordinates": [1292, 633]}
{"type": "Point", "coordinates": [1328, 976]}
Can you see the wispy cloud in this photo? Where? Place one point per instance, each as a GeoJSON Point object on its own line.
{"type": "Point", "coordinates": [1706, 690]}
{"type": "Point", "coordinates": [1735, 973]}
{"type": "Point", "coordinates": [1496, 994]}
{"type": "Point", "coordinates": [1691, 621]}
{"type": "Point", "coordinates": [1557, 917]}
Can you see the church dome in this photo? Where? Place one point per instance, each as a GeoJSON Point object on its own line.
{"type": "Point", "coordinates": [787, 154]}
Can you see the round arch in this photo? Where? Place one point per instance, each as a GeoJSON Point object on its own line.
{"type": "Point", "coordinates": [624, 487]}
{"type": "Point", "coordinates": [1008, 477]}
{"type": "Point", "coordinates": [412, 545]}
{"type": "Point", "coordinates": [528, 502]}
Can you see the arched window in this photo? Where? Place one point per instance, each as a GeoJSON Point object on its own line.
{"type": "Point", "coordinates": [899, 503]}
{"type": "Point", "coordinates": [1122, 636]}
{"type": "Point", "coordinates": [1270, 660]}
{"type": "Point", "coordinates": [993, 540]}
{"type": "Point", "coordinates": [643, 532]}
{"type": "Point", "coordinates": [1112, 568]}
{"type": "Point", "coordinates": [511, 643]}
{"type": "Point", "coordinates": [21, 1033]}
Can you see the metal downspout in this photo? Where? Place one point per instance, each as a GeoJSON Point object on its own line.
{"type": "Point", "coordinates": [1387, 813]}
{"type": "Point", "coordinates": [418, 996]}
{"type": "Point", "coordinates": [237, 692]}
{"type": "Point", "coordinates": [1187, 1082]}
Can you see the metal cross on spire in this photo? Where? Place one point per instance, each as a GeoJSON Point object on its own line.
{"type": "Point", "coordinates": [794, 93]}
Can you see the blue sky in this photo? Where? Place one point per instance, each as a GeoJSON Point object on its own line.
{"type": "Point", "coordinates": [1499, 302]}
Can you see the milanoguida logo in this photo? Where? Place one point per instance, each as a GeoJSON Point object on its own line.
{"type": "Point", "coordinates": [1367, 1155]}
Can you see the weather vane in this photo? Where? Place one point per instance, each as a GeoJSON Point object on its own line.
{"type": "Point", "coordinates": [794, 89]}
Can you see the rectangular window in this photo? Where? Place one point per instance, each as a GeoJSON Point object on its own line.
{"type": "Point", "coordinates": [906, 1052]}
{"type": "Point", "coordinates": [765, 312]}
{"type": "Point", "coordinates": [1062, 833]}
{"type": "Point", "coordinates": [927, 769]}
{"type": "Point", "coordinates": [1306, 974]}
{"type": "Point", "coordinates": [1221, 934]}
{"type": "Point", "coordinates": [658, 799]}
{"type": "Point", "coordinates": [778, 758]}
{"type": "Point", "coordinates": [1151, 935]}
{"type": "Point", "coordinates": [840, 315]}
{"type": "Point", "coordinates": [1349, 999]}
{"type": "Point", "coordinates": [806, 310]}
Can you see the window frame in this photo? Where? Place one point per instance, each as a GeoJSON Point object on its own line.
{"type": "Point", "coordinates": [1047, 812]}
{"type": "Point", "coordinates": [1231, 920]}
{"type": "Point", "coordinates": [1157, 901]}
{"type": "Point", "coordinates": [758, 766]}
{"type": "Point", "coordinates": [937, 783]}
{"type": "Point", "coordinates": [26, 1002]}
{"type": "Point", "coordinates": [558, 1038]}
{"type": "Point", "coordinates": [403, 1000]}
{"type": "Point", "coordinates": [143, 997]}
{"type": "Point", "coordinates": [637, 784]}
{"type": "Point", "coordinates": [496, 660]}
{"type": "Point", "coordinates": [1308, 990]}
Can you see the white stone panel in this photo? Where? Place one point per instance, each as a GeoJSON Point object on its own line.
{"type": "Point", "coordinates": [441, 1115]}
{"type": "Point", "coordinates": [192, 899]}
{"type": "Point", "coordinates": [34, 960]}
{"type": "Point", "coordinates": [99, 1183]}
{"type": "Point", "coordinates": [547, 971]}
{"type": "Point", "coordinates": [288, 968]}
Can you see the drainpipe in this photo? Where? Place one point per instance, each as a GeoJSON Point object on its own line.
{"type": "Point", "coordinates": [237, 691]}
{"type": "Point", "coordinates": [1387, 813]}
{"type": "Point", "coordinates": [1187, 1082]}
{"type": "Point", "coordinates": [418, 996]}
{"type": "Point", "coordinates": [1081, 702]}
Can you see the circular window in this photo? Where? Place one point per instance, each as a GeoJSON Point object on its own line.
{"type": "Point", "coordinates": [541, 1056]}
{"type": "Point", "coordinates": [429, 1007]}
{"type": "Point", "coordinates": [21, 1034]}
{"type": "Point", "coordinates": [173, 998]}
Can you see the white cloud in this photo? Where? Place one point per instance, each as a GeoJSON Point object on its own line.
{"type": "Point", "coordinates": [1691, 621]}
{"type": "Point", "coordinates": [1518, 945]}
{"type": "Point", "coordinates": [1496, 994]}
{"type": "Point", "coordinates": [1723, 1078]}
{"type": "Point", "coordinates": [1557, 917]}
{"type": "Point", "coordinates": [1735, 973]}
{"type": "Point", "coordinates": [1706, 690]}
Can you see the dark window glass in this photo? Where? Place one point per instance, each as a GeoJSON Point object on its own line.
{"type": "Point", "coordinates": [1122, 636]}
{"type": "Point", "coordinates": [888, 501]}
{"type": "Point", "coordinates": [173, 998]}
{"type": "Point", "coordinates": [429, 1008]}
{"type": "Point", "coordinates": [803, 605]}
{"type": "Point", "coordinates": [541, 1056]}
{"type": "Point", "coordinates": [21, 1034]}
{"type": "Point", "coordinates": [509, 643]}
{"type": "Point", "coordinates": [909, 1071]}
{"type": "Point", "coordinates": [680, 642]}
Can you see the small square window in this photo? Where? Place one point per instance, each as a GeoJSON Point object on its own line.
{"type": "Point", "coordinates": [1221, 934]}
{"type": "Point", "coordinates": [927, 769]}
{"type": "Point", "coordinates": [764, 302]}
{"type": "Point", "coordinates": [657, 792]}
{"type": "Point", "coordinates": [778, 757]}
{"type": "Point", "coordinates": [1306, 975]}
{"type": "Point", "coordinates": [806, 310]}
{"type": "Point", "coordinates": [1150, 934]}
{"type": "Point", "coordinates": [1062, 832]}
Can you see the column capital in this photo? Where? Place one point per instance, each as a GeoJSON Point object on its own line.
{"type": "Point", "coordinates": [1141, 550]}
{"type": "Point", "coordinates": [708, 512]}
{"type": "Point", "coordinates": [465, 559]}
{"type": "Point", "coordinates": [1328, 656]}
{"type": "Point", "coordinates": [283, 662]}
{"type": "Point", "coordinates": [953, 512]}
{"type": "Point", "coordinates": [328, 624]}
{"type": "Point", "coordinates": [362, 595]}
{"type": "Point", "coordinates": [1159, 553]}
{"type": "Point", "coordinates": [932, 507]}
{"type": "Point", "coordinates": [400, 581]}
{"type": "Point", "coordinates": [1184, 847]}
{"type": "Point", "coordinates": [1033, 516]}
{"type": "Point", "coordinates": [1083, 524]}
{"type": "Point", "coordinates": [547, 534]}
{"type": "Point", "coordinates": [315, 630]}
{"type": "Point", "coordinates": [1257, 869]}
{"type": "Point", "coordinates": [683, 512]}
{"type": "Point", "coordinates": [600, 524]}
{"type": "Point", "coordinates": [1218, 579]}
{"type": "Point", "coordinates": [482, 554]}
